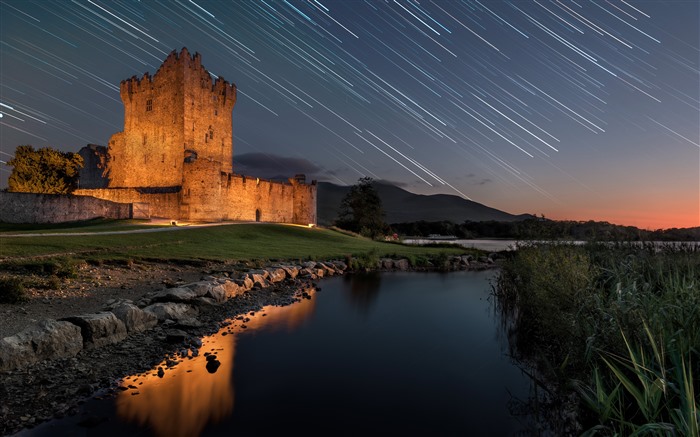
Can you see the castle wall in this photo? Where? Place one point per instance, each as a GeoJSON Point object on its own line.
{"type": "Point", "coordinates": [200, 198]}
{"type": "Point", "coordinates": [55, 208]}
{"type": "Point", "coordinates": [252, 199]}
{"type": "Point", "coordinates": [163, 203]}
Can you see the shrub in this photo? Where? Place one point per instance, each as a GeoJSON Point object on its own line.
{"type": "Point", "coordinates": [12, 291]}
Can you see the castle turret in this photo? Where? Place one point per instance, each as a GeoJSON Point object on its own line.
{"type": "Point", "coordinates": [178, 109]}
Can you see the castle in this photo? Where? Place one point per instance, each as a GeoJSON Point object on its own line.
{"type": "Point", "coordinates": [174, 158]}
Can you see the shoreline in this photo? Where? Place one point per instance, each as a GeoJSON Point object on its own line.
{"type": "Point", "coordinates": [54, 388]}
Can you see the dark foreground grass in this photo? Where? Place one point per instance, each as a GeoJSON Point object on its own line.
{"type": "Point", "coordinates": [619, 326]}
{"type": "Point", "coordinates": [218, 243]}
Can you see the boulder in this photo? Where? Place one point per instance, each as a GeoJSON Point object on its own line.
{"type": "Point", "coordinates": [179, 294]}
{"type": "Point", "coordinates": [233, 289]}
{"type": "Point", "coordinates": [309, 264]}
{"type": "Point", "coordinates": [387, 264]}
{"type": "Point", "coordinates": [291, 271]}
{"type": "Point", "coordinates": [245, 282]}
{"type": "Point", "coordinates": [402, 264]}
{"type": "Point", "coordinates": [258, 279]}
{"type": "Point", "coordinates": [264, 273]}
{"type": "Point", "coordinates": [200, 288]}
{"type": "Point", "coordinates": [276, 274]}
{"type": "Point", "coordinates": [134, 318]}
{"type": "Point", "coordinates": [327, 268]}
{"type": "Point", "coordinates": [171, 311]}
{"type": "Point", "coordinates": [99, 329]}
{"type": "Point", "coordinates": [217, 292]}
{"type": "Point", "coordinates": [48, 339]}
{"type": "Point", "coordinates": [339, 265]}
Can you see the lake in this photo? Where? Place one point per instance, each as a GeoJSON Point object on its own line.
{"type": "Point", "coordinates": [399, 353]}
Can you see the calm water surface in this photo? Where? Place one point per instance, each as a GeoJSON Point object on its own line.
{"type": "Point", "coordinates": [391, 353]}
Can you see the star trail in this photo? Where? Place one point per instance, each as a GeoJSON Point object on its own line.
{"type": "Point", "coordinates": [573, 109]}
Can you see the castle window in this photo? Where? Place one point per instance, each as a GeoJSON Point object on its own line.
{"type": "Point", "coordinates": [162, 159]}
{"type": "Point", "coordinates": [149, 105]}
{"type": "Point", "coordinates": [211, 134]}
{"type": "Point", "coordinates": [216, 112]}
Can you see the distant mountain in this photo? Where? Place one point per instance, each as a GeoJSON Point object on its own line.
{"type": "Point", "coordinates": [403, 206]}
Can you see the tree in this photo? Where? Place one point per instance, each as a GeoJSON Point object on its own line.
{"type": "Point", "coordinates": [361, 210]}
{"type": "Point", "coordinates": [44, 170]}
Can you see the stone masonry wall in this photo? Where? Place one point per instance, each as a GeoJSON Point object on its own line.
{"type": "Point", "coordinates": [161, 204]}
{"type": "Point", "coordinates": [54, 208]}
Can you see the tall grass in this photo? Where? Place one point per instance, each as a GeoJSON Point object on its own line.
{"type": "Point", "coordinates": [619, 325]}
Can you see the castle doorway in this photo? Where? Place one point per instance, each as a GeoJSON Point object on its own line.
{"type": "Point", "coordinates": [257, 215]}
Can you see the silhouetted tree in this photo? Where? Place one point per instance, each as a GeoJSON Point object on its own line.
{"type": "Point", "coordinates": [44, 170]}
{"type": "Point", "coordinates": [361, 210]}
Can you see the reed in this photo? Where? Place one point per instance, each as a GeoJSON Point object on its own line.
{"type": "Point", "coordinates": [618, 325]}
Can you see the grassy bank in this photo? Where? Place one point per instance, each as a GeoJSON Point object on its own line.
{"type": "Point", "coordinates": [219, 243]}
{"type": "Point", "coordinates": [619, 326]}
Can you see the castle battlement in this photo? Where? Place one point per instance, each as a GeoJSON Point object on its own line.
{"type": "Point", "coordinates": [189, 66]}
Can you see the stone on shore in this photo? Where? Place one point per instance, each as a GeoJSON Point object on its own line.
{"type": "Point", "coordinates": [175, 295]}
{"type": "Point", "coordinates": [276, 275]}
{"type": "Point", "coordinates": [134, 318]}
{"type": "Point", "coordinates": [48, 339]}
{"type": "Point", "coordinates": [171, 311]}
{"type": "Point", "coordinates": [99, 329]}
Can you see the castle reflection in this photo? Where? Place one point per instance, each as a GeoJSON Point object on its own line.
{"type": "Point", "coordinates": [188, 396]}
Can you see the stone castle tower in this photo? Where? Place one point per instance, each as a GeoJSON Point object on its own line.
{"type": "Point", "coordinates": [174, 157]}
{"type": "Point", "coordinates": [178, 113]}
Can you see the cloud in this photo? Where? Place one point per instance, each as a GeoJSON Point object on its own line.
{"type": "Point", "coordinates": [395, 183]}
{"type": "Point", "coordinates": [271, 166]}
{"type": "Point", "coordinates": [484, 181]}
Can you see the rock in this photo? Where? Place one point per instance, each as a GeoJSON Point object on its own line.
{"type": "Point", "coordinates": [483, 259]}
{"type": "Point", "coordinates": [264, 273]}
{"type": "Point", "coordinates": [213, 365]}
{"type": "Point", "coordinates": [464, 259]}
{"type": "Point", "coordinates": [327, 268]}
{"type": "Point", "coordinates": [134, 318]}
{"type": "Point", "coordinates": [48, 339]}
{"type": "Point", "coordinates": [99, 329]}
{"type": "Point", "coordinates": [179, 294]}
{"type": "Point", "coordinates": [204, 302]}
{"type": "Point", "coordinates": [171, 311]}
{"type": "Point", "coordinates": [258, 279]}
{"type": "Point", "coordinates": [245, 282]}
{"type": "Point", "coordinates": [218, 293]}
{"type": "Point", "coordinates": [291, 271]}
{"type": "Point", "coordinates": [276, 275]}
{"type": "Point", "coordinates": [386, 264]}
{"type": "Point", "coordinates": [175, 336]}
{"type": "Point", "coordinates": [402, 264]}
{"type": "Point", "coordinates": [200, 288]}
{"type": "Point", "coordinates": [339, 265]}
{"type": "Point", "coordinates": [309, 264]}
{"type": "Point", "coordinates": [233, 289]}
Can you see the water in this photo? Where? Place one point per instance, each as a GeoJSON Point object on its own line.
{"type": "Point", "coordinates": [499, 245]}
{"type": "Point", "coordinates": [392, 353]}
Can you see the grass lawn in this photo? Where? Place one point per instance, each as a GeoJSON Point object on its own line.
{"type": "Point", "coordinates": [220, 243]}
{"type": "Point", "coordinates": [95, 225]}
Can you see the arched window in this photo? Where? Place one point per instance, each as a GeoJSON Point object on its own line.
{"type": "Point", "coordinates": [257, 215]}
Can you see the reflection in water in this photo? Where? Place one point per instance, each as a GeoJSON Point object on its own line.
{"type": "Point", "coordinates": [362, 289]}
{"type": "Point", "coordinates": [188, 396]}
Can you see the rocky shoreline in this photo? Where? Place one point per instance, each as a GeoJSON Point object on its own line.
{"type": "Point", "coordinates": [47, 370]}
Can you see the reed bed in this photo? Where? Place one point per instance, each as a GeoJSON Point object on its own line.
{"type": "Point", "coordinates": [616, 325]}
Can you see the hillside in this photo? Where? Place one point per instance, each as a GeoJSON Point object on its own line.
{"type": "Point", "coordinates": [403, 206]}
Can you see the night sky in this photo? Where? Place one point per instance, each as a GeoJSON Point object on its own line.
{"type": "Point", "coordinates": [572, 109]}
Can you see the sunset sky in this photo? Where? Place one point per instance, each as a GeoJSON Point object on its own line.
{"type": "Point", "coordinates": [572, 109]}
